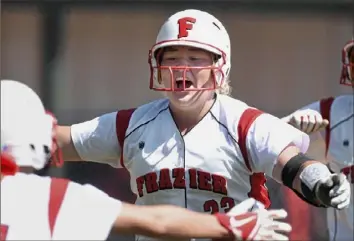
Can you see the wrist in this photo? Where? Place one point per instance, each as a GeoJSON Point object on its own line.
{"type": "Point", "coordinates": [313, 173]}
{"type": "Point", "coordinates": [225, 221]}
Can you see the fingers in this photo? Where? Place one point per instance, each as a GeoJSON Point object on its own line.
{"type": "Point", "coordinates": [308, 121]}
{"type": "Point", "coordinates": [340, 193]}
{"type": "Point", "coordinates": [344, 204]}
{"type": "Point", "coordinates": [336, 191]}
{"type": "Point", "coordinates": [339, 184]}
{"type": "Point", "coordinates": [270, 235]}
{"type": "Point", "coordinates": [342, 201]}
{"type": "Point", "coordinates": [278, 236]}
{"type": "Point", "coordinates": [242, 207]}
{"type": "Point", "coordinates": [277, 214]}
{"type": "Point", "coordinates": [324, 124]}
{"type": "Point", "coordinates": [273, 230]}
{"type": "Point", "coordinates": [248, 205]}
{"type": "Point", "coordinates": [280, 227]}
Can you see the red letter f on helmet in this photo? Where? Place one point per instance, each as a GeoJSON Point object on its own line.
{"type": "Point", "coordinates": [185, 24]}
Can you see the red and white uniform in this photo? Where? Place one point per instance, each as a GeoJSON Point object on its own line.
{"type": "Point", "coordinates": [340, 153]}
{"type": "Point", "coordinates": [217, 164]}
{"type": "Point", "coordinates": [44, 208]}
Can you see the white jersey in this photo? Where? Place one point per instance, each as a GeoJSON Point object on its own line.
{"type": "Point", "coordinates": [39, 208]}
{"type": "Point", "coordinates": [340, 154]}
{"type": "Point", "coordinates": [219, 163]}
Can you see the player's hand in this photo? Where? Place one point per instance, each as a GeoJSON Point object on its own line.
{"type": "Point", "coordinates": [258, 225]}
{"type": "Point", "coordinates": [249, 205]}
{"type": "Point", "coordinates": [334, 191]}
{"type": "Point", "coordinates": [308, 121]}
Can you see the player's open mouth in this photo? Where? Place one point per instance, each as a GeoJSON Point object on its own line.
{"type": "Point", "coordinates": [179, 84]}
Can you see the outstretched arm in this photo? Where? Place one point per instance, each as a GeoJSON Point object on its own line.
{"type": "Point", "coordinates": [278, 150]}
{"type": "Point", "coordinates": [94, 140]}
{"type": "Point", "coordinates": [89, 214]}
{"type": "Point", "coordinates": [168, 222]}
{"type": "Point", "coordinates": [174, 222]}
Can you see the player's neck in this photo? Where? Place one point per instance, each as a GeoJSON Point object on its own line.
{"type": "Point", "coordinates": [187, 119]}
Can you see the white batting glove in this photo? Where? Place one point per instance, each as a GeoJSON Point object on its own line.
{"type": "Point", "coordinates": [249, 220]}
{"type": "Point", "coordinates": [334, 191]}
{"type": "Point", "coordinates": [248, 205]}
{"type": "Point", "coordinates": [258, 225]}
{"type": "Point", "coordinates": [308, 121]}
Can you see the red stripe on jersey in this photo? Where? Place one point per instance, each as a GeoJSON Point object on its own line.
{"type": "Point", "coordinates": [257, 180]}
{"type": "Point", "coordinates": [58, 187]}
{"type": "Point", "coordinates": [3, 232]}
{"type": "Point", "coordinates": [325, 109]}
{"type": "Point", "coordinates": [122, 123]}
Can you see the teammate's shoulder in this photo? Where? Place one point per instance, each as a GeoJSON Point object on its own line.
{"type": "Point", "coordinates": [342, 108]}
{"type": "Point", "coordinates": [344, 100]}
{"type": "Point", "coordinates": [32, 183]}
{"type": "Point", "coordinates": [30, 177]}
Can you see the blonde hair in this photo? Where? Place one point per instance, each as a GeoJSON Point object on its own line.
{"type": "Point", "coordinates": [225, 88]}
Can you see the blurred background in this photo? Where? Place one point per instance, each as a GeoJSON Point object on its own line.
{"type": "Point", "coordinates": [88, 57]}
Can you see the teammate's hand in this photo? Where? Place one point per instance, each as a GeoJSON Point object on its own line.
{"type": "Point", "coordinates": [249, 205]}
{"type": "Point", "coordinates": [308, 121]}
{"type": "Point", "coordinates": [334, 191]}
{"type": "Point", "coordinates": [258, 225]}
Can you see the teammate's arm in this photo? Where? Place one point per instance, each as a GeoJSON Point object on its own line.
{"type": "Point", "coordinates": [168, 222]}
{"type": "Point", "coordinates": [89, 214]}
{"type": "Point", "coordinates": [307, 119]}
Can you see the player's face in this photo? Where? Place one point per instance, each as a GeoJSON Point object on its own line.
{"type": "Point", "coordinates": [183, 56]}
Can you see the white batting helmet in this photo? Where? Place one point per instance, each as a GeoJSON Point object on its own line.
{"type": "Point", "coordinates": [193, 28]}
{"type": "Point", "coordinates": [26, 128]}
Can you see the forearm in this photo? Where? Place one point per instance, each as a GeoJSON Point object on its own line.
{"type": "Point", "coordinates": [63, 136]}
{"type": "Point", "coordinates": [299, 172]}
{"type": "Point", "coordinates": [168, 222]}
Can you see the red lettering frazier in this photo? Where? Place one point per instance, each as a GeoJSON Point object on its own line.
{"type": "Point", "coordinates": [197, 180]}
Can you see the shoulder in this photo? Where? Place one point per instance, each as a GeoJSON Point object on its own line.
{"type": "Point", "coordinates": [32, 181]}
{"type": "Point", "coordinates": [230, 112]}
{"type": "Point", "coordinates": [146, 113]}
